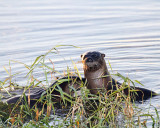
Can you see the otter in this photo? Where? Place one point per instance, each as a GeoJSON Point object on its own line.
{"type": "Point", "coordinates": [63, 83]}
{"type": "Point", "coordinates": [98, 79]}
{"type": "Point", "coordinates": [96, 72]}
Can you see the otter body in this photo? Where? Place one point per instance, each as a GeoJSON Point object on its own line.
{"type": "Point", "coordinates": [64, 83]}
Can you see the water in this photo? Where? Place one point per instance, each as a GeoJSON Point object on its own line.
{"type": "Point", "coordinates": [128, 32]}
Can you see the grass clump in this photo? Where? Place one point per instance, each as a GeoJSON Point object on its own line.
{"type": "Point", "coordinates": [61, 109]}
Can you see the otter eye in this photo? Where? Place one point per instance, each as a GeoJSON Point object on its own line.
{"type": "Point", "coordinates": [94, 55]}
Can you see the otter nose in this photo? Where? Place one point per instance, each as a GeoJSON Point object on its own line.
{"type": "Point", "coordinates": [89, 60]}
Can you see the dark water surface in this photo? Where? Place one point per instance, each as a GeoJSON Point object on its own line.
{"type": "Point", "coordinates": [128, 32]}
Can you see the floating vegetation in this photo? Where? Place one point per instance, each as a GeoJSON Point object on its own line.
{"type": "Point", "coordinates": [107, 109]}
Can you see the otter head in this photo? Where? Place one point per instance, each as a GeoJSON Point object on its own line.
{"type": "Point", "coordinates": [92, 61]}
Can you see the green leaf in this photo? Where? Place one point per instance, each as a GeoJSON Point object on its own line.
{"type": "Point", "coordinates": [139, 82]}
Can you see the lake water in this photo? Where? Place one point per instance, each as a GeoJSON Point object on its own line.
{"type": "Point", "coordinates": [128, 32]}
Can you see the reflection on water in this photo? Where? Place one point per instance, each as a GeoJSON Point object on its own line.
{"type": "Point", "coordinates": [128, 32]}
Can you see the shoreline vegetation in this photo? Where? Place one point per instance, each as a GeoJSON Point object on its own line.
{"type": "Point", "coordinates": [83, 110]}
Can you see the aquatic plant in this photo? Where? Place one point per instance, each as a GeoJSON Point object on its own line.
{"type": "Point", "coordinates": [107, 109]}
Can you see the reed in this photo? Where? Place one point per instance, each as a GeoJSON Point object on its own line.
{"type": "Point", "coordinates": [107, 109]}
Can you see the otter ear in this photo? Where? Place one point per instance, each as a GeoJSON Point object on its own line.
{"type": "Point", "coordinates": [103, 55]}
